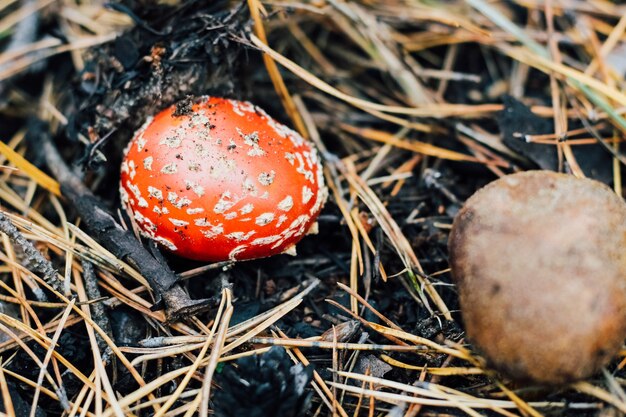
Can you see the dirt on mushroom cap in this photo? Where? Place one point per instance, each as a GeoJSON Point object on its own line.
{"type": "Point", "coordinates": [539, 262]}
{"type": "Point", "coordinates": [222, 181]}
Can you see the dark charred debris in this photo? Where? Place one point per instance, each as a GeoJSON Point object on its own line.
{"type": "Point", "coordinates": [266, 385]}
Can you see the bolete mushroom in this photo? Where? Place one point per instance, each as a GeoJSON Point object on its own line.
{"type": "Point", "coordinates": [219, 179]}
{"type": "Point", "coordinates": [539, 260]}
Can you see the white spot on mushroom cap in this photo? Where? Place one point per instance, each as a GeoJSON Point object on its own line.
{"type": "Point", "coordinates": [147, 163]}
{"type": "Point", "coordinates": [300, 220]}
{"type": "Point", "coordinates": [165, 242]}
{"type": "Point", "coordinates": [286, 203]}
{"type": "Point", "coordinates": [296, 228]}
{"type": "Point", "coordinates": [224, 203]}
{"type": "Point", "coordinates": [178, 223]}
{"type": "Point", "coordinates": [141, 219]}
{"type": "Point", "coordinates": [134, 189]}
{"type": "Point", "coordinates": [123, 195]}
{"type": "Point", "coordinates": [155, 192]}
{"type": "Point", "coordinates": [322, 192]}
{"type": "Point", "coordinates": [281, 219]}
{"type": "Point", "coordinates": [293, 136]}
{"type": "Point", "coordinates": [195, 187]}
{"type": "Point", "coordinates": [264, 219]}
{"type": "Point", "coordinates": [307, 158]}
{"type": "Point", "coordinates": [213, 232]}
{"type": "Point", "coordinates": [256, 152]}
{"type": "Point", "coordinates": [202, 222]}
{"type": "Point", "coordinates": [141, 142]}
{"type": "Point", "coordinates": [282, 130]}
{"type": "Point", "coordinates": [170, 168]}
{"type": "Point", "coordinates": [265, 240]}
{"type": "Point", "coordinates": [132, 169]}
{"type": "Point", "coordinates": [222, 168]}
{"type": "Point", "coordinates": [247, 107]}
{"type": "Point", "coordinates": [249, 187]}
{"type": "Point", "coordinates": [201, 151]}
{"type": "Point", "coordinates": [252, 140]}
{"type": "Point", "coordinates": [171, 141]}
{"type": "Point", "coordinates": [231, 215]}
{"type": "Point", "coordinates": [199, 119]}
{"type": "Point", "coordinates": [182, 202]}
{"type": "Point", "coordinates": [307, 193]}
{"type": "Point", "coordinates": [240, 236]}
{"type": "Point", "coordinates": [196, 210]}
{"type": "Point", "coordinates": [236, 251]}
{"type": "Point", "coordinates": [179, 203]}
{"type": "Point", "coordinates": [301, 169]}
{"type": "Point", "coordinates": [242, 107]}
{"type": "Point", "coordinates": [235, 107]}
{"type": "Point", "coordinates": [267, 178]}
{"type": "Point", "coordinates": [278, 243]}
{"type": "Point", "coordinates": [142, 202]}
{"type": "Point", "coordinates": [246, 209]}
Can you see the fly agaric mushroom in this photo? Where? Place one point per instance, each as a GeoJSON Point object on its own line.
{"type": "Point", "coordinates": [219, 179]}
{"type": "Point", "coordinates": [539, 262]}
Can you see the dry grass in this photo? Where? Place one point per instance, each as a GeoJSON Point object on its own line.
{"type": "Point", "coordinates": [341, 51]}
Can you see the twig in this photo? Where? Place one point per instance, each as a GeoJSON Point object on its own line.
{"type": "Point", "coordinates": [98, 313]}
{"type": "Point", "coordinates": [114, 238]}
{"type": "Point", "coordinates": [34, 259]}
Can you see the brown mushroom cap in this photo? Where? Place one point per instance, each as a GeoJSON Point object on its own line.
{"type": "Point", "coordinates": [539, 259]}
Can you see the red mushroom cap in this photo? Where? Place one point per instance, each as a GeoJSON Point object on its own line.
{"type": "Point", "coordinates": [221, 180]}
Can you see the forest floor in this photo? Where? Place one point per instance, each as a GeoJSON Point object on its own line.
{"type": "Point", "coordinates": [414, 105]}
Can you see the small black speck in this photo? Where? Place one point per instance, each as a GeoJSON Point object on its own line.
{"type": "Point", "coordinates": [495, 288]}
{"type": "Point", "coordinates": [231, 147]}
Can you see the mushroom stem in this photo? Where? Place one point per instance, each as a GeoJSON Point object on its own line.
{"type": "Point", "coordinates": [118, 241]}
